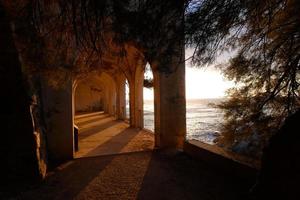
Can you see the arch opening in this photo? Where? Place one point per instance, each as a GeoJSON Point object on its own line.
{"type": "Point", "coordinates": [148, 98]}
{"type": "Point", "coordinates": [94, 109]}
{"type": "Point", "coordinates": [127, 100]}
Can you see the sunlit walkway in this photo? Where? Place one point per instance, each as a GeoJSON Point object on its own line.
{"type": "Point", "coordinates": [118, 162]}
{"type": "Point", "coordinates": [100, 134]}
{"type": "Point", "coordinates": [138, 175]}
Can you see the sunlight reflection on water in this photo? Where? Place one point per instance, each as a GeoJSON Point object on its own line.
{"type": "Point", "coordinates": [202, 120]}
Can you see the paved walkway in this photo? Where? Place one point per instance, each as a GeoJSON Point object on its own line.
{"type": "Point", "coordinates": [138, 175]}
{"type": "Point", "coordinates": [100, 134]}
{"type": "Point", "coordinates": [117, 162]}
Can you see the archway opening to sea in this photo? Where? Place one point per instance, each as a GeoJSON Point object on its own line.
{"type": "Point", "coordinates": [148, 98]}
{"type": "Point", "coordinates": [127, 110]}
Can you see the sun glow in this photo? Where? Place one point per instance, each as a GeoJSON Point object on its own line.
{"type": "Point", "coordinates": [203, 83]}
{"type": "Point", "coordinates": [200, 83]}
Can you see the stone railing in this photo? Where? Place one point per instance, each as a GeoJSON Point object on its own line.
{"type": "Point", "coordinates": [226, 161]}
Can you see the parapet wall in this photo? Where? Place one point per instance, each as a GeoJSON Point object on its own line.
{"type": "Point", "coordinates": [228, 162]}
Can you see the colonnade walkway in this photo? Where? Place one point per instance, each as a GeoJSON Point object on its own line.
{"type": "Point", "coordinates": [118, 162]}
{"type": "Point", "coordinates": [100, 134]}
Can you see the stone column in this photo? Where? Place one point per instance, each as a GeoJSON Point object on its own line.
{"type": "Point", "coordinates": [168, 64]}
{"type": "Point", "coordinates": [121, 97]}
{"type": "Point", "coordinates": [113, 101]}
{"type": "Point", "coordinates": [105, 99]}
{"type": "Point", "coordinates": [58, 102]}
{"type": "Point", "coordinates": [157, 118]}
{"type": "Point", "coordinates": [170, 105]}
{"type": "Point", "coordinates": [109, 100]}
{"type": "Point", "coordinates": [112, 98]}
{"type": "Point", "coordinates": [136, 98]}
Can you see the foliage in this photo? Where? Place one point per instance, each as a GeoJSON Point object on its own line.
{"type": "Point", "coordinates": [148, 83]}
{"type": "Point", "coordinates": [148, 77]}
{"type": "Point", "coordinates": [266, 38]}
{"type": "Point", "coordinates": [77, 35]}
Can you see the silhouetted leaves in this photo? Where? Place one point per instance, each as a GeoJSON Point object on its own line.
{"type": "Point", "coordinates": [266, 38]}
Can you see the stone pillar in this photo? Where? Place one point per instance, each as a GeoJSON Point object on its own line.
{"type": "Point", "coordinates": [121, 97]}
{"type": "Point", "coordinates": [132, 104]}
{"type": "Point", "coordinates": [105, 99]}
{"type": "Point", "coordinates": [113, 101]}
{"type": "Point", "coordinates": [156, 108]}
{"type": "Point", "coordinates": [111, 98]}
{"type": "Point", "coordinates": [136, 98]}
{"type": "Point", "coordinates": [59, 118]}
{"type": "Point", "coordinates": [168, 64]}
{"type": "Point", "coordinates": [170, 105]}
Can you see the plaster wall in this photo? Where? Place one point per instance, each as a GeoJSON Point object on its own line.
{"type": "Point", "coordinates": [88, 97]}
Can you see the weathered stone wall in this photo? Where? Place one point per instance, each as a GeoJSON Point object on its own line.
{"type": "Point", "coordinates": [22, 145]}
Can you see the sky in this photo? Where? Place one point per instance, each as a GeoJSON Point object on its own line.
{"type": "Point", "coordinates": [200, 83]}
{"type": "Point", "coordinates": [203, 83]}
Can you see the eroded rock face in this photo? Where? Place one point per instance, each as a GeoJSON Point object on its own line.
{"type": "Point", "coordinates": [280, 173]}
{"type": "Point", "coordinates": [20, 140]}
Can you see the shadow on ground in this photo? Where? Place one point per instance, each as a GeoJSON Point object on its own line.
{"type": "Point", "coordinates": [100, 134]}
{"type": "Point", "coordinates": [116, 143]}
{"type": "Point", "coordinates": [140, 175]}
{"type": "Point", "coordinates": [133, 170]}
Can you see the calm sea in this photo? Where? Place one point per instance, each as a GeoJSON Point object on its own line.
{"type": "Point", "coordinates": [202, 119]}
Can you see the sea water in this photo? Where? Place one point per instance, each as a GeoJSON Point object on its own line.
{"type": "Point", "coordinates": [202, 119]}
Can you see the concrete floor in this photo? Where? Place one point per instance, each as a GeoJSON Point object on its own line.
{"type": "Point", "coordinates": [100, 134]}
